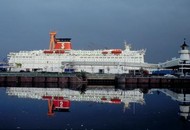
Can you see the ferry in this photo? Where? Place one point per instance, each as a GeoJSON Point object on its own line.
{"type": "Point", "coordinates": [61, 57]}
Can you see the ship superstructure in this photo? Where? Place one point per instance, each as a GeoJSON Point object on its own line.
{"type": "Point", "coordinates": [60, 57]}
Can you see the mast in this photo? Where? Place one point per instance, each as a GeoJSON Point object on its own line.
{"type": "Point", "coordinates": [52, 40]}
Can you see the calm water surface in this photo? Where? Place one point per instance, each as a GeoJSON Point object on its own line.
{"type": "Point", "coordinates": [95, 108]}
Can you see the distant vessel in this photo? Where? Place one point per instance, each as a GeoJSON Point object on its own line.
{"type": "Point", "coordinates": [60, 57]}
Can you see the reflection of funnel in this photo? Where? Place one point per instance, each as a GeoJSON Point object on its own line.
{"type": "Point", "coordinates": [116, 100]}
{"type": "Point", "coordinates": [50, 107]}
{"type": "Point", "coordinates": [57, 104]}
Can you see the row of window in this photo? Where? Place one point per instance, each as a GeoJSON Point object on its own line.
{"type": "Point", "coordinates": [111, 57]}
{"type": "Point", "coordinates": [68, 60]}
{"type": "Point", "coordinates": [115, 57]}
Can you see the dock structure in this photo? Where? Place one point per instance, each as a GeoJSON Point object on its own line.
{"type": "Point", "coordinates": [90, 79]}
{"type": "Point", "coordinates": [157, 80]}
{"type": "Point", "coordinates": [122, 79]}
{"type": "Point", "coordinates": [97, 79]}
{"type": "Point", "coordinates": [39, 78]}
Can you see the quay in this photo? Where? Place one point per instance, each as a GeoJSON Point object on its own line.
{"type": "Point", "coordinates": [101, 79]}
{"type": "Point", "coordinates": [90, 79]}
{"type": "Point", "coordinates": [137, 80]}
{"type": "Point", "coordinates": [29, 77]}
{"type": "Point", "coordinates": [155, 80]}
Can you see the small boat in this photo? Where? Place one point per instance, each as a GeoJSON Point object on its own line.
{"type": "Point", "coordinates": [104, 52]}
{"type": "Point", "coordinates": [116, 100]}
{"type": "Point", "coordinates": [59, 51]}
{"type": "Point", "coordinates": [116, 51]}
{"type": "Point", "coordinates": [48, 51]}
{"type": "Point", "coordinates": [104, 99]}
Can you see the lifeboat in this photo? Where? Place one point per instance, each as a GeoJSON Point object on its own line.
{"type": "Point", "coordinates": [104, 52]}
{"type": "Point", "coordinates": [59, 51]}
{"type": "Point", "coordinates": [48, 51]}
{"type": "Point", "coordinates": [116, 100]}
{"type": "Point", "coordinates": [47, 97]}
{"type": "Point", "coordinates": [104, 99]}
{"type": "Point", "coordinates": [116, 51]}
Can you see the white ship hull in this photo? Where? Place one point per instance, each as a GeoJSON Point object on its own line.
{"type": "Point", "coordinates": [62, 58]}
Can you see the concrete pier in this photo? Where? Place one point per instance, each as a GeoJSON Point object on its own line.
{"type": "Point", "coordinates": [156, 80]}
{"type": "Point", "coordinates": [101, 79]}
{"type": "Point", "coordinates": [90, 79]}
{"type": "Point", "coordinates": [39, 78]}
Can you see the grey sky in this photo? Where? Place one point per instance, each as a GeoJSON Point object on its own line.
{"type": "Point", "coordinates": [156, 25]}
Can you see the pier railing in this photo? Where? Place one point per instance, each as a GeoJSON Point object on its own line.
{"type": "Point", "coordinates": [36, 74]}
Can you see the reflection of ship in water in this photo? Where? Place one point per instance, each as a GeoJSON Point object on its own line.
{"type": "Point", "coordinates": [91, 94]}
{"type": "Point", "coordinates": [182, 95]}
{"type": "Point", "coordinates": [59, 98]}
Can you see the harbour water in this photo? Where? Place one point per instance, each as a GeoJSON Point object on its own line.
{"type": "Point", "coordinates": [96, 108]}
